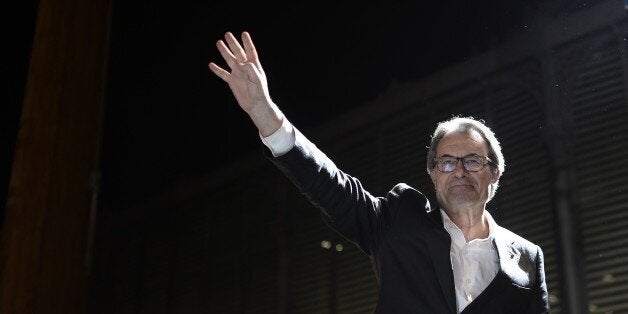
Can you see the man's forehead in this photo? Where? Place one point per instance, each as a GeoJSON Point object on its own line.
{"type": "Point", "coordinates": [470, 140]}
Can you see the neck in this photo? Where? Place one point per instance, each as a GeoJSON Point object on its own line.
{"type": "Point", "coordinates": [472, 222]}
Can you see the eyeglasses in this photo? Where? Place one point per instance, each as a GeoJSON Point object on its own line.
{"type": "Point", "coordinates": [469, 163]}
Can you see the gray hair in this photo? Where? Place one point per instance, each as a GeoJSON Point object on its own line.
{"type": "Point", "coordinates": [467, 125]}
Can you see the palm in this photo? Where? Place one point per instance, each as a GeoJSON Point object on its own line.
{"type": "Point", "coordinates": [246, 79]}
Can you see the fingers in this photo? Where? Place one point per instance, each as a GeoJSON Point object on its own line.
{"type": "Point", "coordinates": [226, 54]}
{"type": "Point", "coordinates": [249, 47]}
{"type": "Point", "coordinates": [220, 72]}
{"type": "Point", "coordinates": [252, 74]}
{"type": "Point", "coordinates": [238, 58]}
{"type": "Point", "coordinates": [235, 47]}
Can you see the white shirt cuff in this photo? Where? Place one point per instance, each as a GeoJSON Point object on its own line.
{"type": "Point", "coordinates": [282, 140]}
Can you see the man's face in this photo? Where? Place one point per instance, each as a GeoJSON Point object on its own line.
{"type": "Point", "coordinates": [461, 188]}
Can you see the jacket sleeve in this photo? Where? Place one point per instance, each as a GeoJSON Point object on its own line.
{"type": "Point", "coordinates": [539, 302]}
{"type": "Point", "coordinates": [344, 203]}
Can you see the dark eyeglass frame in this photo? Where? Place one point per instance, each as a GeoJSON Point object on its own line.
{"type": "Point", "coordinates": [466, 163]}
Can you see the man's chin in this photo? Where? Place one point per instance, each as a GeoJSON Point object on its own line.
{"type": "Point", "coordinates": [461, 198]}
{"type": "Point", "coordinates": [467, 197]}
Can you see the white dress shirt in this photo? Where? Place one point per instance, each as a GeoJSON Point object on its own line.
{"type": "Point", "coordinates": [474, 263]}
{"type": "Point", "coordinates": [282, 140]}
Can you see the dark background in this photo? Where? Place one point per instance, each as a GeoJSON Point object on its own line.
{"type": "Point", "coordinates": [18, 33]}
{"type": "Point", "coordinates": [168, 119]}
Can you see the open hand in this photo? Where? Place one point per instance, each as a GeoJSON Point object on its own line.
{"type": "Point", "coordinates": [248, 82]}
{"type": "Point", "coordinates": [246, 79]}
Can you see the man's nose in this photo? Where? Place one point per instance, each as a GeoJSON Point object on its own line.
{"type": "Point", "coordinates": [460, 171]}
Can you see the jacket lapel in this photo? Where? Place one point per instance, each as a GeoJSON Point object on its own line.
{"type": "Point", "coordinates": [439, 244]}
{"type": "Point", "coordinates": [509, 255]}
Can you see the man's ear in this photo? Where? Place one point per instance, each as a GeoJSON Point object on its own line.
{"type": "Point", "coordinates": [495, 175]}
{"type": "Point", "coordinates": [433, 177]}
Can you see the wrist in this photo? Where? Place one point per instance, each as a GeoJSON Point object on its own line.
{"type": "Point", "coordinates": [267, 117]}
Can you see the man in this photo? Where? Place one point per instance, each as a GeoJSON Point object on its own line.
{"type": "Point", "coordinates": [451, 259]}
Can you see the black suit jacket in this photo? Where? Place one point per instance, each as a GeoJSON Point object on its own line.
{"type": "Point", "coordinates": [408, 245]}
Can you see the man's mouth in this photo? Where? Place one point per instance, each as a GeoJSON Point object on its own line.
{"type": "Point", "coordinates": [461, 185]}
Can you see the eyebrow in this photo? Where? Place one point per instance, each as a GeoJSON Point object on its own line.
{"type": "Point", "coordinates": [467, 155]}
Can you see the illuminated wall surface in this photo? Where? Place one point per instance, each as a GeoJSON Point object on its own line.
{"type": "Point", "coordinates": [245, 241]}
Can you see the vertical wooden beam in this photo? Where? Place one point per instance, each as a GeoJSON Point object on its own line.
{"type": "Point", "coordinates": [45, 233]}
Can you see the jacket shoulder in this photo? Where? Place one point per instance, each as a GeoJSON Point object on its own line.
{"type": "Point", "coordinates": [402, 193]}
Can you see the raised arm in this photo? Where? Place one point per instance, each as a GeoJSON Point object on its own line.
{"type": "Point", "coordinates": [248, 82]}
{"type": "Point", "coordinates": [346, 206]}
